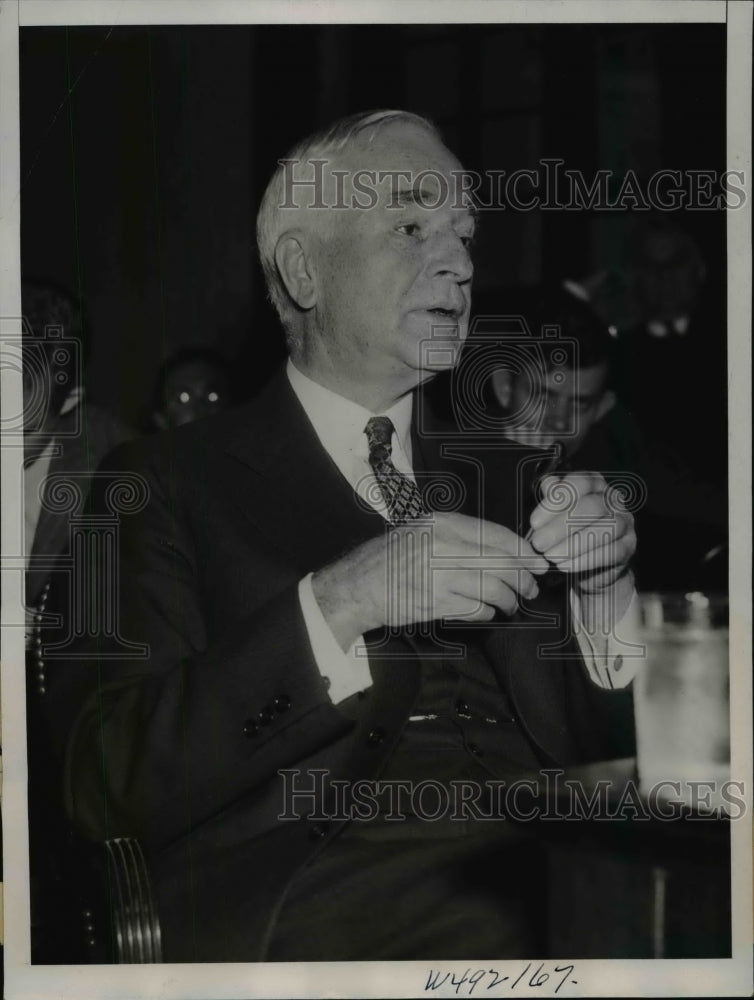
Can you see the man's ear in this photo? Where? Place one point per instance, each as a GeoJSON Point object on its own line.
{"type": "Point", "coordinates": [502, 385]}
{"type": "Point", "coordinates": [293, 259]}
{"type": "Point", "coordinates": [605, 404]}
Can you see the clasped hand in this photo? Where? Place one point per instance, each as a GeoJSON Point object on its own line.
{"type": "Point", "coordinates": [454, 566]}
{"type": "Point", "coordinates": [582, 527]}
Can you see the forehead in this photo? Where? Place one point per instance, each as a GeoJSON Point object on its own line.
{"type": "Point", "coordinates": [405, 156]}
{"type": "Point", "coordinates": [195, 371]}
{"type": "Point", "coordinates": [407, 143]}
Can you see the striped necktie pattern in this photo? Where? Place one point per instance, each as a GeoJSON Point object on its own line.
{"type": "Point", "coordinates": [402, 496]}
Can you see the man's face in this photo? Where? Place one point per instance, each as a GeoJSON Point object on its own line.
{"type": "Point", "coordinates": [193, 390]}
{"type": "Point", "coordinates": [562, 406]}
{"type": "Point", "coordinates": [46, 382]}
{"type": "Point", "coordinates": [394, 282]}
{"type": "Point", "coordinates": [668, 278]}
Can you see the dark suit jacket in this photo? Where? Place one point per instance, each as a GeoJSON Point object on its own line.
{"type": "Point", "coordinates": [183, 748]}
{"type": "Point", "coordinates": [83, 437]}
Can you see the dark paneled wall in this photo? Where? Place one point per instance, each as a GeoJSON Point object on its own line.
{"type": "Point", "coordinates": [145, 150]}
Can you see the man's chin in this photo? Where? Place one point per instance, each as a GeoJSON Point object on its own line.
{"type": "Point", "coordinates": [439, 354]}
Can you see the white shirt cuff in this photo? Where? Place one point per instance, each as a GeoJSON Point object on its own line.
{"type": "Point", "coordinates": [612, 660]}
{"type": "Point", "coordinates": [345, 673]}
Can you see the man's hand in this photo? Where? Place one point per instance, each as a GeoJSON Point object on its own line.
{"type": "Point", "coordinates": [581, 528]}
{"type": "Point", "coordinates": [451, 566]}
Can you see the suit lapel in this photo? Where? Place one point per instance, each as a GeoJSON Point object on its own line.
{"type": "Point", "coordinates": [287, 485]}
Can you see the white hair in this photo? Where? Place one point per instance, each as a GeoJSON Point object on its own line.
{"type": "Point", "coordinates": [319, 146]}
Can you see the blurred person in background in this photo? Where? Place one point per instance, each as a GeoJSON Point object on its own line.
{"type": "Point", "coordinates": [668, 273]}
{"type": "Point", "coordinates": [64, 432]}
{"type": "Point", "coordinates": [670, 366]}
{"type": "Point", "coordinates": [193, 383]}
{"type": "Point", "coordinates": [564, 391]}
{"type": "Point", "coordinates": [65, 438]}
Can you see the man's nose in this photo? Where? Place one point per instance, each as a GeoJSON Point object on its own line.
{"type": "Point", "coordinates": [452, 257]}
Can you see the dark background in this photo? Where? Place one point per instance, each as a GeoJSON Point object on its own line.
{"type": "Point", "coordinates": [145, 151]}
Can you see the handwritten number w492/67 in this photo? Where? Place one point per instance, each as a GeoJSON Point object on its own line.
{"type": "Point", "coordinates": [523, 981]}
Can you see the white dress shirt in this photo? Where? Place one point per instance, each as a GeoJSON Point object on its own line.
{"type": "Point", "coordinates": [339, 424]}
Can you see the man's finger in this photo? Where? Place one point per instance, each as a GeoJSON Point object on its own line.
{"type": "Point", "coordinates": [561, 541]}
{"type": "Point", "coordinates": [491, 592]}
{"type": "Point", "coordinates": [560, 494]}
{"type": "Point", "coordinates": [497, 536]}
{"type": "Point", "coordinates": [496, 563]}
{"type": "Point", "coordinates": [479, 532]}
{"type": "Point", "coordinates": [498, 587]}
{"type": "Point", "coordinates": [470, 538]}
{"type": "Point", "coordinates": [504, 595]}
{"type": "Point", "coordinates": [587, 513]}
{"type": "Point", "coordinates": [469, 610]}
{"type": "Point", "coordinates": [517, 582]}
{"type": "Point", "coordinates": [615, 553]}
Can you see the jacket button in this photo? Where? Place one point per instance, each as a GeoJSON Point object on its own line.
{"type": "Point", "coordinates": [376, 736]}
{"type": "Point", "coordinates": [318, 831]}
{"type": "Point", "coordinates": [476, 750]}
{"type": "Point", "coordinates": [463, 709]}
{"type": "Point", "coordinates": [250, 728]}
{"type": "Point", "coordinates": [266, 716]}
{"type": "Point", "coordinates": [282, 703]}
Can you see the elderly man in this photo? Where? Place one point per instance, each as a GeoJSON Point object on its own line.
{"type": "Point", "coordinates": [312, 623]}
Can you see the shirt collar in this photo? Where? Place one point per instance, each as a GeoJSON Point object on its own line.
{"type": "Point", "coordinates": [339, 422]}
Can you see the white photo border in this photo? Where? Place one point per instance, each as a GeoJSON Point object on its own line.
{"type": "Point", "coordinates": [658, 977]}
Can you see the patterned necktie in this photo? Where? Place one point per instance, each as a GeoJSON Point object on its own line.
{"type": "Point", "coordinates": [402, 496]}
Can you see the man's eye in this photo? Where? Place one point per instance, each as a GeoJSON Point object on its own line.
{"type": "Point", "coordinates": [468, 240]}
{"type": "Point", "coordinates": [408, 228]}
